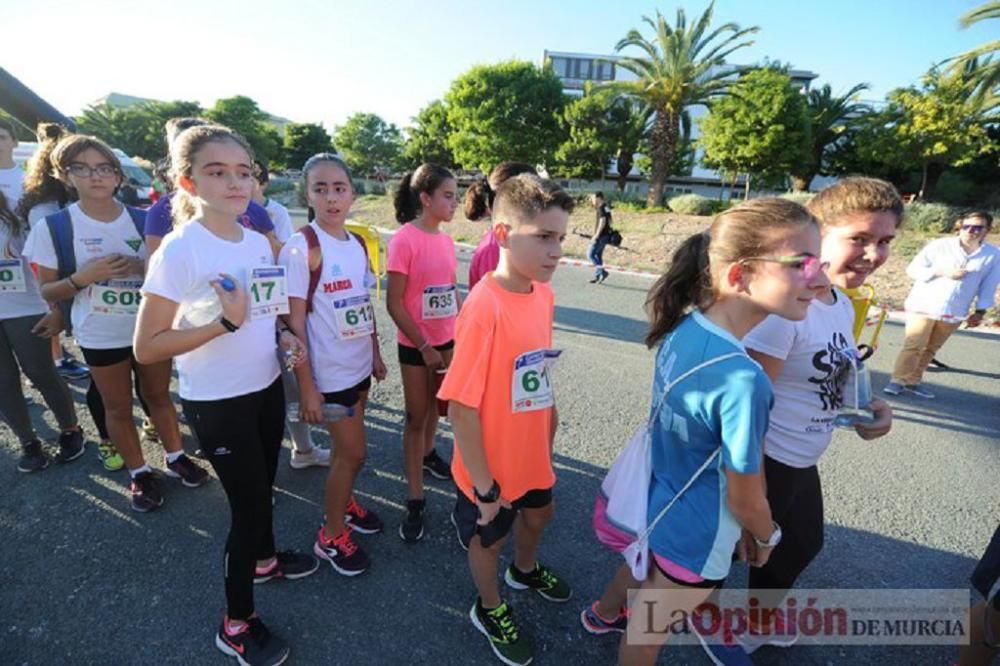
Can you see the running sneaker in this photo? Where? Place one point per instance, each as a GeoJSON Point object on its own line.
{"type": "Point", "coordinates": [146, 493]}
{"type": "Point", "coordinates": [604, 276]}
{"type": "Point", "coordinates": [411, 530]}
{"type": "Point", "coordinates": [919, 391]}
{"type": "Point", "coordinates": [109, 456]}
{"type": "Point", "coordinates": [149, 431]}
{"type": "Point", "coordinates": [345, 556]}
{"type": "Point", "coordinates": [752, 641]}
{"type": "Point", "coordinates": [289, 564]}
{"type": "Point", "coordinates": [594, 623]}
{"type": "Point", "coordinates": [497, 624]}
{"type": "Point", "coordinates": [720, 652]}
{"type": "Point", "coordinates": [458, 533]}
{"type": "Point", "coordinates": [188, 471]}
{"type": "Point", "coordinates": [360, 519]}
{"type": "Point", "coordinates": [71, 369]}
{"type": "Point", "coordinates": [541, 580]}
{"type": "Point", "coordinates": [436, 467]}
{"type": "Point", "coordinates": [71, 445]}
{"type": "Point", "coordinates": [893, 388]}
{"type": "Point", "coordinates": [253, 644]}
{"type": "Point", "coordinates": [33, 458]}
{"type": "Point", "coordinates": [314, 457]}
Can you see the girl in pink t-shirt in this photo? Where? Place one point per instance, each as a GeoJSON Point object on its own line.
{"type": "Point", "coordinates": [479, 206]}
{"type": "Point", "coordinates": [423, 300]}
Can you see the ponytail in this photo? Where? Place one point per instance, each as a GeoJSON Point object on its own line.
{"type": "Point", "coordinates": [477, 201]}
{"type": "Point", "coordinates": [404, 200]}
{"type": "Point", "coordinates": [685, 285]}
{"type": "Point", "coordinates": [425, 179]}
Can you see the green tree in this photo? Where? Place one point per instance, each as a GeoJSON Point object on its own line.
{"type": "Point", "coordinates": [508, 111]}
{"type": "Point", "coordinates": [427, 138]}
{"type": "Point", "coordinates": [302, 141]}
{"type": "Point", "coordinates": [242, 114]}
{"type": "Point", "coordinates": [682, 66]}
{"type": "Point", "coordinates": [761, 129]}
{"type": "Point", "coordinates": [831, 117]}
{"type": "Point", "coordinates": [940, 124]}
{"type": "Point", "coordinates": [369, 143]}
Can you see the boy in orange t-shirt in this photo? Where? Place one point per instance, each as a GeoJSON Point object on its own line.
{"type": "Point", "coordinates": [502, 408]}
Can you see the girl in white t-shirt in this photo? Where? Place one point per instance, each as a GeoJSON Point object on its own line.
{"type": "Point", "coordinates": [106, 244]}
{"type": "Point", "coordinates": [328, 280]}
{"type": "Point", "coordinates": [211, 299]}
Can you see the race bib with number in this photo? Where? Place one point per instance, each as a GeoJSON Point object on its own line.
{"type": "Point", "coordinates": [117, 297]}
{"type": "Point", "coordinates": [531, 387]}
{"type": "Point", "coordinates": [268, 292]}
{"type": "Point", "coordinates": [12, 276]}
{"type": "Point", "coordinates": [440, 302]}
{"type": "Point", "coordinates": [355, 317]}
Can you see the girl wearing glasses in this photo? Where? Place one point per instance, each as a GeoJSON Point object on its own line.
{"type": "Point", "coordinates": [807, 361]}
{"type": "Point", "coordinates": [948, 274]}
{"type": "Point", "coordinates": [97, 261]}
{"type": "Point", "coordinates": [757, 259]}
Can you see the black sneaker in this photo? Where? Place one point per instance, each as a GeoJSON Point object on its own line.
{"type": "Point", "coordinates": [254, 645]}
{"type": "Point", "coordinates": [411, 530]}
{"type": "Point", "coordinates": [146, 493]}
{"type": "Point", "coordinates": [603, 277]}
{"type": "Point", "coordinates": [541, 580]}
{"type": "Point", "coordinates": [33, 458]}
{"type": "Point", "coordinates": [289, 564]}
{"type": "Point", "coordinates": [345, 556]}
{"type": "Point", "coordinates": [71, 446]}
{"type": "Point", "coordinates": [185, 469]}
{"type": "Point", "coordinates": [436, 467]}
{"type": "Point", "coordinates": [497, 624]}
{"type": "Point", "coordinates": [360, 519]}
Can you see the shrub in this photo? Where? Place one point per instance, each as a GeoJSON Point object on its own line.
{"type": "Point", "coordinates": [932, 217]}
{"type": "Point", "coordinates": [692, 204]}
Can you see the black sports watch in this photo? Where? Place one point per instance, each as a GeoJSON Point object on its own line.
{"type": "Point", "coordinates": [228, 325]}
{"type": "Point", "coordinates": [492, 495]}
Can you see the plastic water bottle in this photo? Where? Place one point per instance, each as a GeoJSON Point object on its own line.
{"type": "Point", "coordinates": [857, 396]}
{"type": "Point", "coordinates": [331, 412]}
{"type": "Point", "coordinates": [206, 306]}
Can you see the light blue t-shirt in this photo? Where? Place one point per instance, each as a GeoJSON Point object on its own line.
{"type": "Point", "coordinates": [726, 404]}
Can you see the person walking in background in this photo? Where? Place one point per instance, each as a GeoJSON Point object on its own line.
{"type": "Point", "coordinates": [602, 234]}
{"type": "Point", "coordinates": [949, 274]}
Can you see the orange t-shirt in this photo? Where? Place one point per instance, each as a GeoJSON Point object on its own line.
{"type": "Point", "coordinates": [500, 368]}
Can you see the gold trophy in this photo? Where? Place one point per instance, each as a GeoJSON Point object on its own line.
{"type": "Point", "coordinates": [863, 298]}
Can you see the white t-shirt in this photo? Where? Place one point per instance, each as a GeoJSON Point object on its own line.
{"type": "Point", "coordinates": [281, 219]}
{"type": "Point", "coordinates": [19, 294]}
{"type": "Point", "coordinates": [341, 324]}
{"type": "Point", "coordinates": [103, 313]}
{"type": "Point", "coordinates": [12, 185]}
{"type": "Point", "coordinates": [181, 270]}
{"type": "Point", "coordinates": [807, 391]}
{"type": "Point", "coordinates": [40, 211]}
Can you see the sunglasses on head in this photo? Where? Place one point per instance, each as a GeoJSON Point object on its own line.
{"type": "Point", "coordinates": [807, 264]}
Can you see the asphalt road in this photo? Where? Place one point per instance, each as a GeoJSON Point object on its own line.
{"type": "Point", "coordinates": [85, 580]}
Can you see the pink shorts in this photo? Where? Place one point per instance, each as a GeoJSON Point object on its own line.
{"type": "Point", "coordinates": [618, 541]}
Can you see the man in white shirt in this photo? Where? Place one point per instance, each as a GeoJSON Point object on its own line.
{"type": "Point", "coordinates": [949, 274]}
{"type": "Point", "coordinates": [11, 175]}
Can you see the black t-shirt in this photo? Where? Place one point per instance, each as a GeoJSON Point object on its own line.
{"type": "Point", "coordinates": [604, 210]}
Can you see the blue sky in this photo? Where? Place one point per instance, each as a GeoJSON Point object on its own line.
{"type": "Point", "coordinates": [321, 60]}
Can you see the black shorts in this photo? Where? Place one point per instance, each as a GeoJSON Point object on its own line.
{"type": "Point", "coordinates": [350, 396]}
{"type": "Point", "coordinates": [705, 584]}
{"type": "Point", "coordinates": [100, 358]}
{"type": "Point", "coordinates": [467, 513]}
{"type": "Point", "coordinates": [412, 356]}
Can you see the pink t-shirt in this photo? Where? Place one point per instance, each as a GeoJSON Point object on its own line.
{"type": "Point", "coordinates": [428, 261]}
{"type": "Point", "coordinates": [485, 259]}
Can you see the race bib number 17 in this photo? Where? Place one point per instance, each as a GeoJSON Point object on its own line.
{"type": "Point", "coordinates": [268, 292]}
{"type": "Point", "coordinates": [531, 384]}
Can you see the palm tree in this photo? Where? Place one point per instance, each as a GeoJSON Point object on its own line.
{"type": "Point", "coordinates": [831, 117]}
{"type": "Point", "coordinates": [682, 67]}
{"type": "Point", "coordinates": [981, 59]}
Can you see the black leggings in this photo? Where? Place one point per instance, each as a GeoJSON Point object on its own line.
{"type": "Point", "coordinates": [796, 500]}
{"type": "Point", "coordinates": [95, 404]}
{"type": "Point", "coordinates": [242, 437]}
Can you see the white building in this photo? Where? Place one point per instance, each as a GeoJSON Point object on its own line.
{"type": "Point", "coordinates": [576, 69]}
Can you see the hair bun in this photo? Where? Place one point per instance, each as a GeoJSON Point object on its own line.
{"type": "Point", "coordinates": [52, 130]}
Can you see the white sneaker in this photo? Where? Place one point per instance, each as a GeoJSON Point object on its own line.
{"type": "Point", "coordinates": [753, 642]}
{"type": "Point", "coordinates": [314, 457]}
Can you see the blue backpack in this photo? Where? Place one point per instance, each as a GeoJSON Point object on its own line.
{"type": "Point", "coordinates": [61, 229]}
